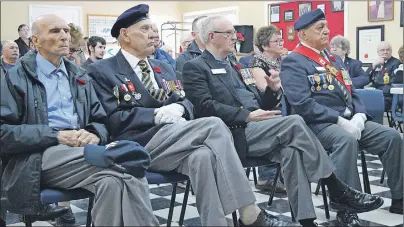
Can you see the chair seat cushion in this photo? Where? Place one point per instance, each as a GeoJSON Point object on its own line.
{"type": "Point", "coordinates": [166, 177]}
{"type": "Point", "coordinates": [59, 195]}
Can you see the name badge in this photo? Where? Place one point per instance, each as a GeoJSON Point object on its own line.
{"type": "Point", "coordinates": [218, 71]}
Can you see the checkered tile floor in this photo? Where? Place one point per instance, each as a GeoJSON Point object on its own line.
{"type": "Point", "coordinates": [160, 198]}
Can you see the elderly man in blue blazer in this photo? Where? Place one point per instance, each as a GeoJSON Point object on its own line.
{"type": "Point", "coordinates": [341, 47]}
{"type": "Point", "coordinates": [318, 88]}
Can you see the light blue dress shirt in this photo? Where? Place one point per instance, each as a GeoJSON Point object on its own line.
{"type": "Point", "coordinates": [61, 114]}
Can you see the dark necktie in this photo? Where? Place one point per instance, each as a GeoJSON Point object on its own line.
{"type": "Point", "coordinates": [158, 94]}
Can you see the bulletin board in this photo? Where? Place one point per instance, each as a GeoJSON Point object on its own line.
{"type": "Point", "coordinates": [335, 19]}
{"type": "Point", "coordinates": [101, 25]}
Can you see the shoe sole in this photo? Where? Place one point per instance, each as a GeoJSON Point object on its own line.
{"type": "Point", "coordinates": [338, 206]}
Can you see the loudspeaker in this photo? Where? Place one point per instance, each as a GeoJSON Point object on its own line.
{"type": "Point", "coordinates": [248, 33]}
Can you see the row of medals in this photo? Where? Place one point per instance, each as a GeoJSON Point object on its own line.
{"type": "Point", "coordinates": [317, 79]}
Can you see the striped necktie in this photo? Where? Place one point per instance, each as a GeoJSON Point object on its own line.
{"type": "Point", "coordinates": [341, 86]}
{"type": "Point", "coordinates": [158, 94]}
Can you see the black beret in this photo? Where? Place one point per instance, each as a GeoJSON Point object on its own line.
{"type": "Point", "coordinates": [309, 18]}
{"type": "Point", "coordinates": [129, 18]}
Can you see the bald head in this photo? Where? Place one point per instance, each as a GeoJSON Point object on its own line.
{"type": "Point", "coordinates": [51, 36]}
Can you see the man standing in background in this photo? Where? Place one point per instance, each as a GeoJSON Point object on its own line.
{"type": "Point", "coordinates": [24, 42]}
{"type": "Point", "coordinates": [96, 49]}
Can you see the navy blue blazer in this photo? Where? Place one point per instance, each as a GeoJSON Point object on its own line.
{"type": "Point", "coordinates": [377, 75]}
{"type": "Point", "coordinates": [321, 108]}
{"type": "Point", "coordinates": [133, 119]}
{"type": "Point", "coordinates": [358, 76]}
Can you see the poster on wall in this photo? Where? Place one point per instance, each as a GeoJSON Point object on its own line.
{"type": "Point", "coordinates": [304, 8]}
{"type": "Point", "coordinates": [101, 25]}
{"type": "Point", "coordinates": [337, 6]}
{"type": "Point", "coordinates": [367, 38]}
{"type": "Point", "coordinates": [111, 50]}
{"type": "Point", "coordinates": [274, 14]}
{"type": "Point", "coordinates": [288, 15]}
{"type": "Point", "coordinates": [380, 10]}
{"type": "Point", "coordinates": [322, 7]}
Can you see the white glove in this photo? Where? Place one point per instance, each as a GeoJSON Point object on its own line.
{"type": "Point", "coordinates": [169, 114]}
{"type": "Point", "coordinates": [359, 120]}
{"type": "Point", "coordinates": [349, 127]}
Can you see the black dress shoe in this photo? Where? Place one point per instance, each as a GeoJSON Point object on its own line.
{"type": "Point", "coordinates": [265, 219]}
{"type": "Point", "coordinates": [355, 201]}
{"type": "Point", "coordinates": [349, 219]}
{"type": "Point", "coordinates": [50, 212]}
{"type": "Point", "coordinates": [67, 218]}
{"type": "Point", "coordinates": [396, 207]}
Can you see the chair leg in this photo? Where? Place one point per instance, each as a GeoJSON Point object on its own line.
{"type": "Point", "coordinates": [324, 192]}
{"type": "Point", "coordinates": [90, 207]}
{"type": "Point", "coordinates": [271, 197]}
{"type": "Point", "coordinates": [234, 215]}
{"type": "Point", "coordinates": [171, 210]}
{"type": "Point", "coordinates": [382, 177]}
{"type": "Point", "coordinates": [389, 119]}
{"type": "Point", "coordinates": [28, 220]}
{"type": "Point", "coordinates": [184, 203]}
{"type": "Point", "coordinates": [318, 187]}
{"type": "Point", "coordinates": [247, 172]}
{"type": "Point", "coordinates": [366, 183]}
{"type": "Point", "coordinates": [255, 176]}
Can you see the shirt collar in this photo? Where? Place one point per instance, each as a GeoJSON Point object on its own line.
{"type": "Point", "coordinates": [218, 58]}
{"type": "Point", "coordinates": [132, 60]}
{"type": "Point", "coordinates": [47, 67]}
{"type": "Point", "coordinates": [317, 51]}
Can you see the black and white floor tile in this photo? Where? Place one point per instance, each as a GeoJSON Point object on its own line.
{"type": "Point", "coordinates": [160, 197]}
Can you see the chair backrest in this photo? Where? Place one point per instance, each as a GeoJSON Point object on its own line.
{"type": "Point", "coordinates": [396, 104]}
{"type": "Point", "coordinates": [244, 61]}
{"type": "Point", "coordinates": [373, 100]}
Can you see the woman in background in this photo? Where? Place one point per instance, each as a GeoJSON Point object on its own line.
{"type": "Point", "coordinates": [265, 67]}
{"type": "Point", "coordinates": [77, 45]}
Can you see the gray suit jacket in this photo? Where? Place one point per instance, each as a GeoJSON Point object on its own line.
{"type": "Point", "coordinates": [133, 119]}
{"type": "Point", "coordinates": [318, 108]}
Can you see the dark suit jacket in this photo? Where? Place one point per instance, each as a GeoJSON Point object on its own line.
{"type": "Point", "coordinates": [319, 109]}
{"type": "Point", "coordinates": [86, 63]}
{"type": "Point", "coordinates": [214, 95]}
{"type": "Point", "coordinates": [132, 120]}
{"type": "Point", "coordinates": [358, 76]}
{"type": "Point", "coordinates": [192, 52]}
{"type": "Point", "coordinates": [377, 75]}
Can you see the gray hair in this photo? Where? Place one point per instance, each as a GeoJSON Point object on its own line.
{"type": "Point", "coordinates": [383, 43]}
{"type": "Point", "coordinates": [5, 42]}
{"type": "Point", "coordinates": [207, 25]}
{"type": "Point", "coordinates": [342, 42]}
{"type": "Point", "coordinates": [264, 35]}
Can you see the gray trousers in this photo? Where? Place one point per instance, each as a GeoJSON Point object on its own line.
{"type": "Point", "coordinates": [377, 140]}
{"type": "Point", "coordinates": [204, 150]}
{"type": "Point", "coordinates": [120, 199]}
{"type": "Point", "coordinates": [290, 142]}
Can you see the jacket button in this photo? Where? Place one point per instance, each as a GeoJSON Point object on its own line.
{"type": "Point", "coordinates": [241, 107]}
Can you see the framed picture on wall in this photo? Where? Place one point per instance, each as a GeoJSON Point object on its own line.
{"type": "Point", "coordinates": [322, 7]}
{"type": "Point", "coordinates": [402, 15]}
{"type": "Point", "coordinates": [288, 15]}
{"type": "Point", "coordinates": [367, 38]}
{"type": "Point", "coordinates": [304, 8]}
{"type": "Point", "coordinates": [275, 10]}
{"type": "Point", "coordinates": [101, 25]}
{"type": "Point", "coordinates": [380, 10]}
{"type": "Point", "coordinates": [337, 6]}
{"type": "Point", "coordinates": [291, 33]}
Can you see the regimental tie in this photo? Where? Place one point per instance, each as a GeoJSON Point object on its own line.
{"type": "Point", "coordinates": [158, 94]}
{"type": "Point", "coordinates": [343, 88]}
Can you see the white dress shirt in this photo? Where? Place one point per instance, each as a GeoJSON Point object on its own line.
{"type": "Point", "coordinates": [134, 61]}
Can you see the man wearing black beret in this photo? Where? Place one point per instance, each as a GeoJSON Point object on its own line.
{"type": "Point", "coordinates": [318, 88]}
{"type": "Point", "coordinates": [145, 103]}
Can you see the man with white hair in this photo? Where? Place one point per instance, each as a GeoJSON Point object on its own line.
{"type": "Point", "coordinates": [10, 55]}
{"type": "Point", "coordinates": [186, 40]}
{"type": "Point", "coordinates": [381, 71]}
{"type": "Point", "coordinates": [218, 87]}
{"type": "Point", "coordinates": [319, 89]}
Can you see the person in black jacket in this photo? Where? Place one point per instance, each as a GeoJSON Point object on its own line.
{"type": "Point", "coordinates": [24, 42]}
{"type": "Point", "coordinates": [49, 113]}
{"type": "Point", "coordinates": [221, 88]}
{"type": "Point", "coordinates": [340, 46]}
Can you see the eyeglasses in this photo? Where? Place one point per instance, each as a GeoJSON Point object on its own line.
{"type": "Point", "coordinates": [279, 41]}
{"type": "Point", "coordinates": [226, 33]}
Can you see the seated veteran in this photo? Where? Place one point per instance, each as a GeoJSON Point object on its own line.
{"type": "Point", "coordinates": [145, 103]}
{"type": "Point", "coordinates": [340, 46]}
{"type": "Point", "coordinates": [159, 52]}
{"type": "Point", "coordinates": [45, 143]}
{"type": "Point", "coordinates": [10, 55]}
{"type": "Point", "coordinates": [381, 71]}
{"type": "Point", "coordinates": [319, 89]}
{"type": "Point", "coordinates": [220, 88]}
